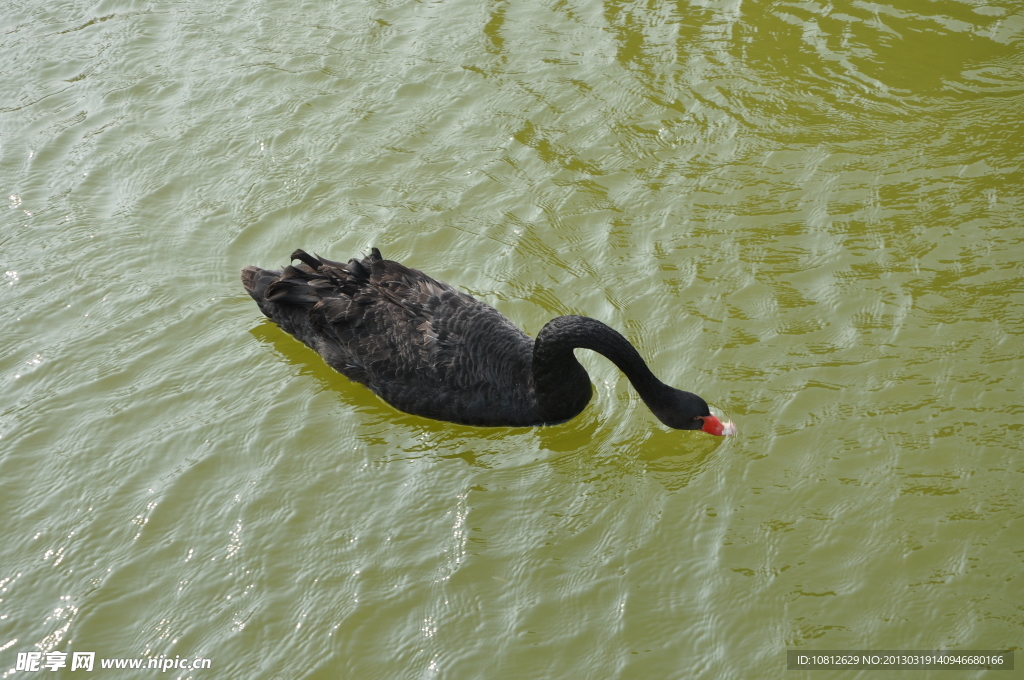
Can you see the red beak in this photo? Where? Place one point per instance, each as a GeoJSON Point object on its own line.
{"type": "Point", "coordinates": [713, 425]}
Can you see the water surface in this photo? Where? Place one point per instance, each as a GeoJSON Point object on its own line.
{"type": "Point", "coordinates": [809, 213]}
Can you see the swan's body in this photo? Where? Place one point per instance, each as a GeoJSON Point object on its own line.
{"type": "Point", "coordinates": [431, 350]}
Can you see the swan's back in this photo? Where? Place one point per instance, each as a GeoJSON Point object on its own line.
{"type": "Point", "coordinates": [421, 345]}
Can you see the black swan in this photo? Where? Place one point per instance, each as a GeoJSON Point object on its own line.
{"type": "Point", "coordinates": [431, 350]}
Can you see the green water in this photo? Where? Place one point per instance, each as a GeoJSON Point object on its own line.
{"type": "Point", "coordinates": [808, 213]}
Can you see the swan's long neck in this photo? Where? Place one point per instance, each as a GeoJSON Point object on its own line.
{"type": "Point", "coordinates": [562, 387]}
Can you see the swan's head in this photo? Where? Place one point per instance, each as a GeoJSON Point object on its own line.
{"type": "Point", "coordinates": [686, 411]}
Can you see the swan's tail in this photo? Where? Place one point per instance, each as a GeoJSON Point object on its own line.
{"type": "Point", "coordinates": [256, 281]}
{"type": "Point", "coordinates": [304, 285]}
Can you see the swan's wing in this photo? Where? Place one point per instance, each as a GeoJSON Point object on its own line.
{"type": "Point", "coordinates": [420, 344]}
{"type": "Point", "coordinates": [409, 329]}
